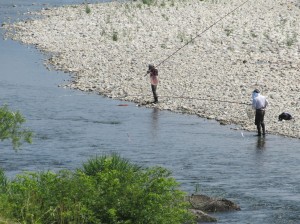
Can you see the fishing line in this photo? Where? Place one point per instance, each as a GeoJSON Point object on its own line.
{"type": "Point", "coordinates": [190, 98]}
{"type": "Point", "coordinates": [199, 35]}
{"type": "Point", "coordinates": [248, 108]}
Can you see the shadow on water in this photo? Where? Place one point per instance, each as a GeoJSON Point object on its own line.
{"type": "Point", "coordinates": [260, 174]}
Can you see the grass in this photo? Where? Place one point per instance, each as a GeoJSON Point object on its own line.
{"type": "Point", "coordinates": [291, 40]}
{"type": "Point", "coordinates": [253, 34]}
{"type": "Point", "coordinates": [149, 2]}
{"type": "Point", "coordinates": [165, 17]}
{"type": "Point", "coordinates": [87, 8]}
{"type": "Point", "coordinates": [228, 31]}
{"type": "Point", "coordinates": [115, 36]}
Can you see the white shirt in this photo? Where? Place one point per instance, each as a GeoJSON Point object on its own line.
{"type": "Point", "coordinates": [254, 94]}
{"type": "Point", "coordinates": [259, 102]}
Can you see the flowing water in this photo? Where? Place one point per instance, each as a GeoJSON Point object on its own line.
{"type": "Point", "coordinates": [260, 174]}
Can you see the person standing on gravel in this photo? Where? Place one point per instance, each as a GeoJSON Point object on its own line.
{"type": "Point", "coordinates": [154, 81]}
{"type": "Point", "coordinates": [259, 103]}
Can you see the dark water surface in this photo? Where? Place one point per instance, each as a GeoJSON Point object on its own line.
{"type": "Point", "coordinates": [260, 174]}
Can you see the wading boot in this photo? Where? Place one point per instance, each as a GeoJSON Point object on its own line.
{"type": "Point", "coordinates": [258, 130]}
{"type": "Point", "coordinates": [263, 128]}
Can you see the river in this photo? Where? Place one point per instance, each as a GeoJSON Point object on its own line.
{"type": "Point", "coordinates": [259, 174]}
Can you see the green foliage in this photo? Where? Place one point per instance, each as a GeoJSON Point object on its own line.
{"type": "Point", "coordinates": [228, 31]}
{"type": "Point", "coordinates": [87, 9]}
{"type": "Point", "coordinates": [112, 162]}
{"type": "Point", "coordinates": [253, 34]}
{"type": "Point", "coordinates": [10, 127]}
{"type": "Point", "coordinates": [186, 39]}
{"type": "Point", "coordinates": [3, 181]}
{"type": "Point", "coordinates": [181, 36]}
{"type": "Point", "coordinates": [165, 17]}
{"type": "Point", "coordinates": [267, 35]}
{"type": "Point", "coordinates": [106, 189]}
{"type": "Point", "coordinates": [148, 2]}
{"type": "Point", "coordinates": [115, 36]}
{"type": "Point", "coordinates": [291, 40]}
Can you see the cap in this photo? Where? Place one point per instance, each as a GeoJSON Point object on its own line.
{"type": "Point", "coordinates": [256, 91]}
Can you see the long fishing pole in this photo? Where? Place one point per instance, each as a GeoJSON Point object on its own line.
{"type": "Point", "coordinates": [198, 35]}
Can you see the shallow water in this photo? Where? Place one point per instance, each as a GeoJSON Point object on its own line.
{"type": "Point", "coordinates": [260, 174]}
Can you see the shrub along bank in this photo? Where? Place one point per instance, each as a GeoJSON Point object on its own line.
{"type": "Point", "coordinates": [106, 189]}
{"type": "Point", "coordinates": [11, 127]}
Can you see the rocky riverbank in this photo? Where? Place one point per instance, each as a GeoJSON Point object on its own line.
{"type": "Point", "coordinates": [107, 48]}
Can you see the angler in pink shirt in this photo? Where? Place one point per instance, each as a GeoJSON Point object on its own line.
{"type": "Point", "coordinates": [154, 81]}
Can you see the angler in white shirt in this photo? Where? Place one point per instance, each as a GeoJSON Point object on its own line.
{"type": "Point", "coordinates": [259, 103]}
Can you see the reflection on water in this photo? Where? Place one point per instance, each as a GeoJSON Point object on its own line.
{"type": "Point", "coordinates": [260, 174]}
{"type": "Point", "coordinates": [154, 122]}
{"type": "Point", "coordinates": [261, 142]}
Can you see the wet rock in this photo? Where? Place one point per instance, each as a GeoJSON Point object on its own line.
{"type": "Point", "coordinates": [202, 216]}
{"type": "Point", "coordinates": [209, 204]}
{"type": "Point", "coordinates": [223, 122]}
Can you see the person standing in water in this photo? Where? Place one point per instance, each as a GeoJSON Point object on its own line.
{"type": "Point", "coordinates": [259, 103]}
{"type": "Point", "coordinates": [154, 81]}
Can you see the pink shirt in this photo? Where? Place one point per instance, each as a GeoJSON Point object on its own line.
{"type": "Point", "coordinates": [153, 77]}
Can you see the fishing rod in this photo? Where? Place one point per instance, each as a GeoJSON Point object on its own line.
{"type": "Point", "coordinates": [191, 40]}
{"type": "Point", "coordinates": [199, 35]}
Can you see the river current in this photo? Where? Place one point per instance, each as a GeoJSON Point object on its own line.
{"type": "Point", "coordinates": [260, 174]}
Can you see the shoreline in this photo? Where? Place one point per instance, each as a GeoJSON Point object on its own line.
{"type": "Point", "coordinates": [107, 51]}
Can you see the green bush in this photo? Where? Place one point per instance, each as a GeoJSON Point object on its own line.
{"type": "Point", "coordinates": [11, 127]}
{"type": "Point", "coordinates": [148, 2]}
{"type": "Point", "coordinates": [87, 9]}
{"type": "Point", "coordinates": [106, 189]}
{"type": "Point", "coordinates": [115, 36]}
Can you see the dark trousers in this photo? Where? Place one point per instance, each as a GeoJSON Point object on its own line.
{"type": "Point", "coordinates": [153, 87]}
{"type": "Point", "coordinates": [259, 121]}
